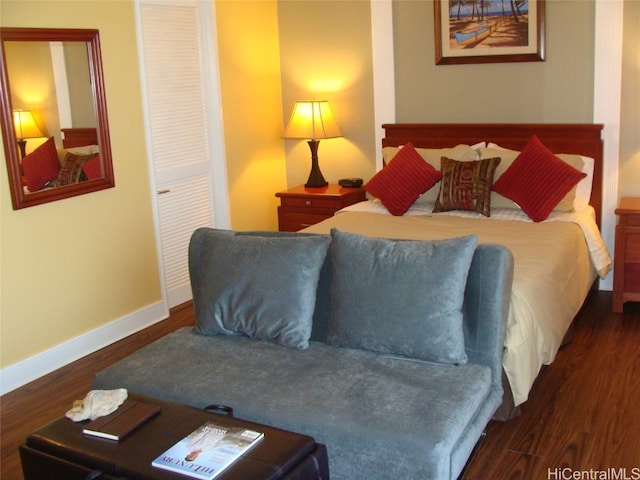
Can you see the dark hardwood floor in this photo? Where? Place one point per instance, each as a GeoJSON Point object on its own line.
{"type": "Point", "coordinates": [583, 413]}
{"type": "Point", "coordinates": [27, 408]}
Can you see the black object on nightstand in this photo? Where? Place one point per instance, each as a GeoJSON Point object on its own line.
{"type": "Point", "coordinates": [350, 182]}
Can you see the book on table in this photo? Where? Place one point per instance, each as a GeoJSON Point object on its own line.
{"type": "Point", "coordinates": [207, 451]}
{"type": "Point", "coordinates": [130, 415]}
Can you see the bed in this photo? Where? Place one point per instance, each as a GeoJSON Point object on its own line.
{"type": "Point", "coordinates": [77, 161]}
{"type": "Point", "coordinates": [558, 259]}
{"type": "Point", "coordinates": [79, 137]}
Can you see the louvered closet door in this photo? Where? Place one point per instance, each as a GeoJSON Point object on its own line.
{"type": "Point", "coordinates": [180, 90]}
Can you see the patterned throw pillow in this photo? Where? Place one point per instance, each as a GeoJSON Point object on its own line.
{"type": "Point", "coordinates": [72, 171]}
{"type": "Point", "coordinates": [537, 180]}
{"type": "Point", "coordinates": [466, 185]}
{"type": "Point", "coordinates": [403, 180]}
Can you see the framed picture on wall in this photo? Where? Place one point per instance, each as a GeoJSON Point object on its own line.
{"type": "Point", "coordinates": [480, 31]}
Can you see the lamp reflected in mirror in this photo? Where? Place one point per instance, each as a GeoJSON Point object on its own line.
{"type": "Point", "coordinates": [25, 127]}
{"type": "Point", "coordinates": [52, 88]}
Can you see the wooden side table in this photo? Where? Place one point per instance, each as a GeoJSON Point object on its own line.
{"type": "Point", "coordinates": [301, 207]}
{"type": "Point", "coordinates": [626, 275]}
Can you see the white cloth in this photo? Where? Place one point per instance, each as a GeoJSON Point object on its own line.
{"type": "Point", "coordinates": [97, 403]}
{"type": "Point", "coordinates": [585, 218]}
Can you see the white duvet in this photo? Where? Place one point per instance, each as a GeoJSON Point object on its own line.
{"type": "Point", "coordinates": [556, 262]}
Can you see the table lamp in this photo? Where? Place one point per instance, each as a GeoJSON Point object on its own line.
{"type": "Point", "coordinates": [25, 127]}
{"type": "Point", "coordinates": [313, 120]}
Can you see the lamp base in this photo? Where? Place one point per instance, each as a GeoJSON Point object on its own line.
{"type": "Point", "coordinates": [315, 180]}
{"type": "Point", "coordinates": [22, 144]}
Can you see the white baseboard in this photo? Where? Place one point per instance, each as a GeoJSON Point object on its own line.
{"type": "Point", "coordinates": [23, 372]}
{"type": "Point", "coordinates": [179, 295]}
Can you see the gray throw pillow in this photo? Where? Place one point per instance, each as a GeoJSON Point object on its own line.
{"type": "Point", "coordinates": [400, 297]}
{"type": "Point", "coordinates": [263, 287]}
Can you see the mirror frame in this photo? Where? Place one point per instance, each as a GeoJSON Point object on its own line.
{"type": "Point", "coordinates": [91, 37]}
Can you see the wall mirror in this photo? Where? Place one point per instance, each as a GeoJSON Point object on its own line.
{"type": "Point", "coordinates": [53, 110]}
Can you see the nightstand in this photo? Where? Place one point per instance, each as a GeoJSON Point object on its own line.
{"type": "Point", "coordinates": [626, 272]}
{"type": "Point", "coordinates": [301, 207]}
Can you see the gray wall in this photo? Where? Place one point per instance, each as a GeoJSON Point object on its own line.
{"type": "Point", "coordinates": [629, 174]}
{"type": "Point", "coordinates": [559, 89]}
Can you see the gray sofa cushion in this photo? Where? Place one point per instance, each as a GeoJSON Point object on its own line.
{"type": "Point", "coordinates": [380, 416]}
{"type": "Point", "coordinates": [402, 297]}
{"type": "Point", "coordinates": [263, 287]}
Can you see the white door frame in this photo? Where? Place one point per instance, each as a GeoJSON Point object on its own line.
{"type": "Point", "coordinates": [218, 177]}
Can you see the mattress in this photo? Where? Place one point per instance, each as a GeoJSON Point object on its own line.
{"type": "Point", "coordinates": [556, 263]}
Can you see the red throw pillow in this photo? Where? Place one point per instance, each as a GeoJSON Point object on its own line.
{"type": "Point", "coordinates": [403, 180]}
{"type": "Point", "coordinates": [41, 166]}
{"type": "Point", "coordinates": [537, 180]}
{"type": "Point", "coordinates": [92, 168]}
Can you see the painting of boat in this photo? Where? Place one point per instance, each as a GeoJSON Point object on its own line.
{"type": "Point", "coordinates": [482, 31]}
{"type": "Point", "coordinates": [488, 31]}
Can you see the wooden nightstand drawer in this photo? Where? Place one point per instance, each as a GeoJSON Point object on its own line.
{"type": "Point", "coordinates": [633, 220]}
{"type": "Point", "coordinates": [632, 277]}
{"type": "Point", "coordinates": [292, 222]}
{"type": "Point", "coordinates": [318, 202]}
{"type": "Point", "coordinates": [301, 207]}
{"type": "Point", "coordinates": [626, 270]}
{"type": "Point", "coordinates": [632, 247]}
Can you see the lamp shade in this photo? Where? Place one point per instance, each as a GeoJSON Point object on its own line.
{"type": "Point", "coordinates": [25, 125]}
{"type": "Point", "coordinates": [312, 120]}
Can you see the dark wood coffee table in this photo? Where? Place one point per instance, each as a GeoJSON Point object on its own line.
{"type": "Point", "coordinates": [60, 450]}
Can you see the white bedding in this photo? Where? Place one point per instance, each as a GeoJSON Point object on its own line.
{"type": "Point", "coordinates": [556, 262]}
{"type": "Point", "coordinates": [585, 218]}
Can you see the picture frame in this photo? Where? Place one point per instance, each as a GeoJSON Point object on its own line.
{"type": "Point", "coordinates": [465, 33]}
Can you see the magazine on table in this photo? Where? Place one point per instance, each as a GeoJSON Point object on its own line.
{"type": "Point", "coordinates": [208, 451]}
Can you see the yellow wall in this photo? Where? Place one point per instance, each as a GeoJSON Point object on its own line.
{"type": "Point", "coordinates": [71, 266]}
{"type": "Point", "coordinates": [33, 86]}
{"type": "Point", "coordinates": [252, 111]}
{"type": "Point", "coordinates": [325, 52]}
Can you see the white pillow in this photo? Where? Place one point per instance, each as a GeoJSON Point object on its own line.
{"type": "Point", "coordinates": [84, 150]}
{"type": "Point", "coordinates": [583, 192]}
{"type": "Point", "coordinates": [495, 146]}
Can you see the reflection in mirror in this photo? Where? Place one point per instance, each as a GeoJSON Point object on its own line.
{"type": "Point", "coordinates": [54, 115]}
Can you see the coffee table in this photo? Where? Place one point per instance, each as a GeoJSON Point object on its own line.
{"type": "Point", "coordinates": [60, 450]}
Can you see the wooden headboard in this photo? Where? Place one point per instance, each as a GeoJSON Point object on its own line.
{"type": "Point", "coordinates": [79, 137]}
{"type": "Point", "coordinates": [581, 139]}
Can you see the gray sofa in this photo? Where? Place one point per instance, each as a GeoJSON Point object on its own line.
{"type": "Point", "coordinates": [388, 352]}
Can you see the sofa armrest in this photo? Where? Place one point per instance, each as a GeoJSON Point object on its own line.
{"type": "Point", "coordinates": [486, 307]}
